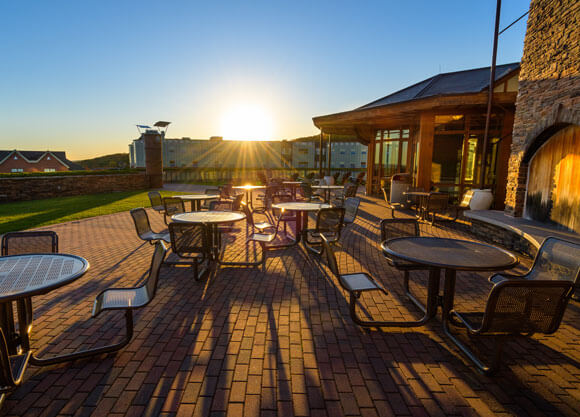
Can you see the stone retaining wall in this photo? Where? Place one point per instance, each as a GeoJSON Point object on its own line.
{"type": "Point", "coordinates": [503, 237]}
{"type": "Point", "coordinates": [36, 188]}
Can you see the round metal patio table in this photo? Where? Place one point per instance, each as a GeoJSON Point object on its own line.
{"type": "Point", "coordinates": [24, 276]}
{"type": "Point", "coordinates": [301, 209]}
{"type": "Point", "coordinates": [212, 219]}
{"type": "Point", "coordinates": [249, 189]}
{"type": "Point", "coordinates": [327, 189]}
{"type": "Point", "coordinates": [452, 255]}
{"type": "Point", "coordinates": [196, 199]}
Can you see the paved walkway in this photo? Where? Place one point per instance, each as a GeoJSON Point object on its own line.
{"type": "Point", "coordinates": [276, 342]}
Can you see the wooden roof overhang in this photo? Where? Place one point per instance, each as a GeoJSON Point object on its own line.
{"type": "Point", "coordinates": [364, 122]}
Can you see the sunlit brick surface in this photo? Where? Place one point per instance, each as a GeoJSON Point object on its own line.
{"type": "Point", "coordinates": [277, 341]}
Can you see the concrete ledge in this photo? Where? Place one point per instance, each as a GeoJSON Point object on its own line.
{"type": "Point", "coordinates": [532, 231]}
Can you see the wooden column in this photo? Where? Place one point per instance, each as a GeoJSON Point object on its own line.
{"type": "Point", "coordinates": [503, 156]}
{"type": "Point", "coordinates": [370, 162]}
{"type": "Point", "coordinates": [426, 132]}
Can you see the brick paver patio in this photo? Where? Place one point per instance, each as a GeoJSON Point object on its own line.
{"type": "Point", "coordinates": [277, 341]}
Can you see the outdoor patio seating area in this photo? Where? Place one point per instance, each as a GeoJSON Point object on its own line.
{"type": "Point", "coordinates": [277, 337]}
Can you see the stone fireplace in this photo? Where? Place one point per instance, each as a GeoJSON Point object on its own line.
{"type": "Point", "coordinates": [544, 168]}
{"type": "Point", "coordinates": [553, 189]}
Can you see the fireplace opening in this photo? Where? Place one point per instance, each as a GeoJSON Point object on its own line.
{"type": "Point", "coordinates": [553, 191]}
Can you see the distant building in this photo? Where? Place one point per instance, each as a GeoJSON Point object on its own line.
{"type": "Point", "coordinates": [218, 153]}
{"type": "Point", "coordinates": [35, 161]}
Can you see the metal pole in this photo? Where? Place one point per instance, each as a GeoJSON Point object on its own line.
{"type": "Point", "coordinates": [320, 154]}
{"type": "Point", "coordinates": [490, 94]}
{"type": "Point", "coordinates": [329, 153]}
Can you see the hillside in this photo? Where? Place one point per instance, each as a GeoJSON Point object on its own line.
{"type": "Point", "coordinates": [116, 160]}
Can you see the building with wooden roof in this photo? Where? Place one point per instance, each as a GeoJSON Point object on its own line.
{"type": "Point", "coordinates": [434, 131]}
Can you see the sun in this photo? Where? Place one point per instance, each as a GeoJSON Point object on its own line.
{"type": "Point", "coordinates": [247, 121]}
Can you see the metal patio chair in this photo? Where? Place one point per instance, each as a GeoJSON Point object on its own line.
{"type": "Point", "coordinates": [156, 201]}
{"type": "Point", "coordinates": [433, 204]}
{"type": "Point", "coordinates": [351, 209]}
{"type": "Point", "coordinates": [277, 213]}
{"type": "Point", "coordinates": [22, 243]}
{"type": "Point", "coordinates": [125, 299]}
{"type": "Point", "coordinates": [210, 191]}
{"type": "Point", "coordinates": [557, 259]}
{"type": "Point", "coordinates": [386, 194]}
{"type": "Point", "coordinates": [348, 191]}
{"type": "Point", "coordinates": [191, 244]}
{"type": "Point", "coordinates": [359, 282]}
{"type": "Point", "coordinates": [308, 194]}
{"type": "Point", "coordinates": [515, 307]}
{"type": "Point", "coordinates": [260, 226]}
{"type": "Point", "coordinates": [329, 221]}
{"type": "Point", "coordinates": [143, 227]}
{"type": "Point", "coordinates": [264, 240]}
{"type": "Point", "coordinates": [393, 228]}
{"type": "Point", "coordinates": [173, 206]}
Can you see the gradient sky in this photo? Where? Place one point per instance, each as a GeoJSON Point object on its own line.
{"type": "Point", "coordinates": [77, 76]}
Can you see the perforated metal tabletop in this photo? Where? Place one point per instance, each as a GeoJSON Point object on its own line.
{"type": "Point", "coordinates": [27, 275]}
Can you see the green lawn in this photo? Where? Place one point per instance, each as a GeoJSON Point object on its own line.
{"type": "Point", "coordinates": [24, 215]}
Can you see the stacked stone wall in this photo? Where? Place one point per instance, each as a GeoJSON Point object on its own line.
{"type": "Point", "coordinates": [549, 87]}
{"type": "Point", "coordinates": [35, 188]}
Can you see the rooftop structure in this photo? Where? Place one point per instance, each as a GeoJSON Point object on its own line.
{"type": "Point", "coordinates": [35, 161]}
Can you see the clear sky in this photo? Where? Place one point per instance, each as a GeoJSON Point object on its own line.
{"type": "Point", "coordinates": [78, 76]}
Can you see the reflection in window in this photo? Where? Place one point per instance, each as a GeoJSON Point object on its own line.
{"type": "Point", "coordinates": [446, 162]}
{"type": "Point", "coordinates": [404, 149]}
{"type": "Point", "coordinates": [471, 158]}
{"type": "Point", "coordinates": [390, 158]}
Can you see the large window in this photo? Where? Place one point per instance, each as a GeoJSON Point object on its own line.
{"type": "Point", "coordinates": [457, 150]}
{"type": "Point", "coordinates": [391, 152]}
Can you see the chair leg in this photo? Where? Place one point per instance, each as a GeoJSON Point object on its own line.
{"type": "Point", "coordinates": [488, 370]}
{"type": "Point", "coordinates": [90, 352]}
{"type": "Point", "coordinates": [429, 311]}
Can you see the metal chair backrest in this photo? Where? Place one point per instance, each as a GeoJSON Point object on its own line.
{"type": "Point", "coordinates": [156, 262]}
{"type": "Point", "coordinates": [262, 177]}
{"type": "Point", "coordinates": [248, 213]}
{"type": "Point", "coordinates": [345, 178]}
{"type": "Point", "coordinates": [188, 239]}
{"type": "Point", "coordinates": [236, 204]}
{"type": "Point", "coordinates": [351, 209]}
{"type": "Point", "coordinates": [520, 306]}
{"type": "Point", "coordinates": [330, 220]}
{"type": "Point", "coordinates": [155, 198]}
{"type": "Point", "coordinates": [173, 205]}
{"type": "Point", "coordinates": [360, 177]}
{"type": "Point", "coordinates": [557, 259]}
{"type": "Point", "coordinates": [220, 205]}
{"type": "Point", "coordinates": [392, 228]}
{"type": "Point", "coordinates": [437, 201]}
{"type": "Point", "coordinates": [21, 243]}
{"type": "Point", "coordinates": [141, 220]}
{"type": "Point", "coordinates": [227, 191]}
{"type": "Point", "coordinates": [350, 190]}
{"type": "Point", "coordinates": [330, 258]}
{"type": "Point", "coordinates": [306, 189]}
